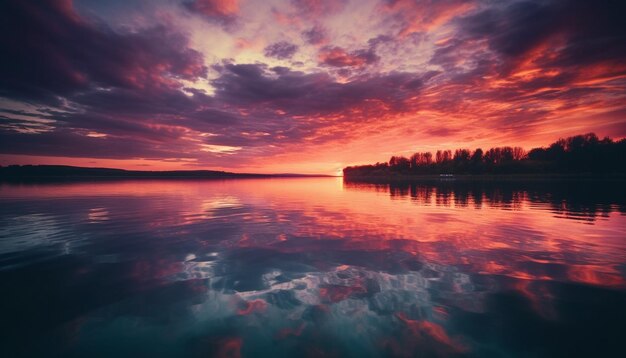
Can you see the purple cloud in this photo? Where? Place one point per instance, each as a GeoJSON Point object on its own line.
{"type": "Point", "coordinates": [220, 11]}
{"type": "Point", "coordinates": [316, 35]}
{"type": "Point", "coordinates": [78, 86]}
{"type": "Point", "coordinates": [281, 50]}
{"type": "Point", "coordinates": [318, 8]}
{"type": "Point", "coordinates": [58, 53]}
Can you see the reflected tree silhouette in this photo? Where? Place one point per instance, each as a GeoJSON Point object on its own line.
{"type": "Point", "coordinates": [569, 199]}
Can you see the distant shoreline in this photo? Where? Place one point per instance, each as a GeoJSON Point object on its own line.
{"type": "Point", "coordinates": [34, 173]}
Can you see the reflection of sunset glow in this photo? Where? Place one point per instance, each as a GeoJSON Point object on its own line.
{"type": "Point", "coordinates": [494, 237]}
{"type": "Point", "coordinates": [98, 214]}
{"type": "Point", "coordinates": [314, 262]}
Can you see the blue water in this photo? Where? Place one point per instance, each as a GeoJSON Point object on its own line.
{"type": "Point", "coordinates": [311, 267]}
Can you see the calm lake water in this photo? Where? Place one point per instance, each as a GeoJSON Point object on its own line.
{"type": "Point", "coordinates": [312, 267]}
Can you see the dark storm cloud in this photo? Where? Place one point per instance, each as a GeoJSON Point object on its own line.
{"type": "Point", "coordinates": [54, 52]}
{"type": "Point", "coordinates": [281, 50]}
{"type": "Point", "coordinates": [590, 31]}
{"type": "Point", "coordinates": [513, 29]}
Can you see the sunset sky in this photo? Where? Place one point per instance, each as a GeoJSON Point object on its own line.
{"type": "Point", "coordinates": [301, 86]}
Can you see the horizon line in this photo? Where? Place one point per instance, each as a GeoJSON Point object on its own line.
{"type": "Point", "coordinates": [177, 170]}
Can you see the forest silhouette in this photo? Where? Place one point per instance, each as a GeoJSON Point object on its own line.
{"type": "Point", "coordinates": [581, 154]}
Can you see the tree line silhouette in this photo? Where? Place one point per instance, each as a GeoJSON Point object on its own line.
{"type": "Point", "coordinates": [581, 154]}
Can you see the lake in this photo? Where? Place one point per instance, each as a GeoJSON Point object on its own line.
{"type": "Point", "coordinates": [312, 267]}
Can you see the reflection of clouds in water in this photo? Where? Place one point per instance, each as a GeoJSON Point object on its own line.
{"type": "Point", "coordinates": [258, 262]}
{"type": "Point", "coordinates": [346, 303]}
{"type": "Point", "coordinates": [196, 270]}
{"type": "Point", "coordinates": [214, 204]}
{"type": "Point", "coordinates": [382, 292]}
{"type": "Point", "coordinates": [212, 208]}
{"type": "Point", "coordinates": [96, 215]}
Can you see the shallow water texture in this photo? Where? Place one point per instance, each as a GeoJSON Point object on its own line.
{"type": "Point", "coordinates": [311, 267]}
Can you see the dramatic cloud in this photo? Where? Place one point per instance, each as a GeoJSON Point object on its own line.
{"type": "Point", "coordinates": [584, 32]}
{"type": "Point", "coordinates": [102, 82]}
{"type": "Point", "coordinates": [281, 50]}
{"type": "Point", "coordinates": [58, 53]}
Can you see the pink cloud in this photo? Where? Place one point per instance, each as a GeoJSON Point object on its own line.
{"type": "Point", "coordinates": [217, 8]}
{"type": "Point", "coordinates": [338, 57]}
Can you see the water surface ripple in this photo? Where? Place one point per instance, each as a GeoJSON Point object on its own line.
{"type": "Point", "coordinates": [312, 267]}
